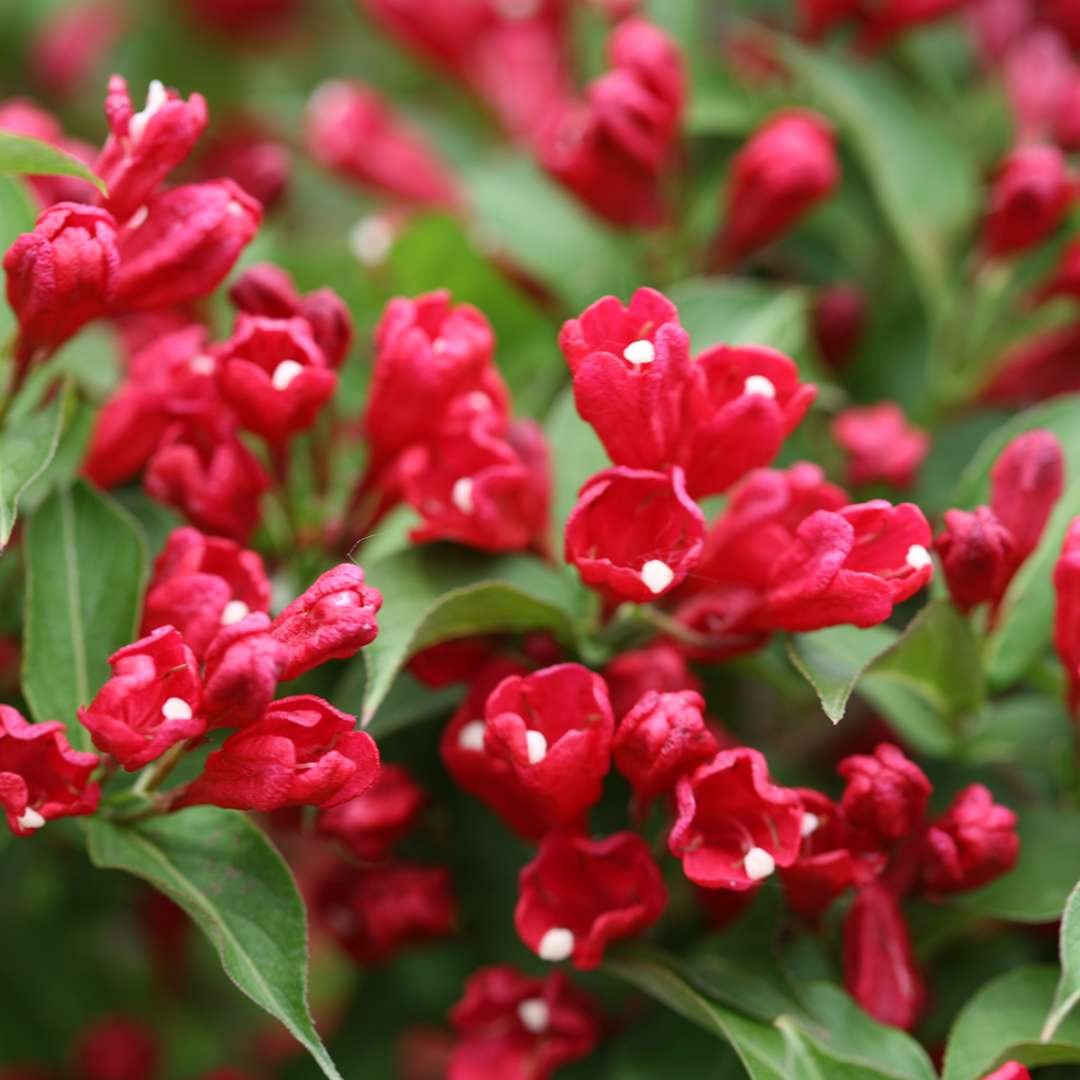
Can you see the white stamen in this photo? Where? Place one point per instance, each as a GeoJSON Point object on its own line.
{"type": "Point", "coordinates": [284, 374]}
{"type": "Point", "coordinates": [138, 217]}
{"type": "Point", "coordinates": [535, 745]}
{"type": "Point", "coordinates": [461, 496]}
{"type": "Point", "coordinates": [557, 944]}
{"type": "Point", "coordinates": [371, 240]}
{"type": "Point", "coordinates": [31, 819]}
{"type": "Point", "coordinates": [639, 352]}
{"type": "Point", "coordinates": [471, 736]}
{"type": "Point", "coordinates": [234, 611]}
{"type": "Point", "coordinates": [810, 823]}
{"type": "Point", "coordinates": [176, 708]}
{"type": "Point", "coordinates": [534, 1015]}
{"type": "Point", "coordinates": [657, 575]}
{"type": "Point", "coordinates": [917, 557]}
{"type": "Point", "coordinates": [758, 384]}
{"type": "Point", "coordinates": [156, 96]}
{"type": "Point", "coordinates": [202, 364]}
{"type": "Point", "coordinates": [758, 864]}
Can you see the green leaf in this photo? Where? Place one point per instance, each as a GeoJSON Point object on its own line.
{"type": "Point", "coordinates": [27, 446]}
{"type": "Point", "coordinates": [1003, 1022]}
{"type": "Point", "coordinates": [32, 157]}
{"type": "Point", "coordinates": [227, 876]}
{"type": "Point", "coordinates": [439, 591]}
{"type": "Point", "coordinates": [1068, 989]}
{"type": "Point", "coordinates": [576, 455]}
{"type": "Point", "coordinates": [86, 570]}
{"type": "Point", "coordinates": [1036, 890]}
{"type": "Point", "coordinates": [1030, 728]}
{"type": "Point", "coordinates": [17, 215]}
{"type": "Point", "coordinates": [832, 661]}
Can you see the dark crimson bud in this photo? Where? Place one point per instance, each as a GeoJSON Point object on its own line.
{"type": "Point", "coordinates": [977, 555]}
{"type": "Point", "coordinates": [886, 794]}
{"type": "Point", "coordinates": [373, 822]}
{"type": "Point", "coordinates": [838, 319]}
{"type": "Point", "coordinates": [1031, 193]}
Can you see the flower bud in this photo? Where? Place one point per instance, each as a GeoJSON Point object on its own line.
{"type": "Point", "coordinates": [1030, 196]}
{"type": "Point", "coordinates": [370, 824]}
{"type": "Point", "coordinates": [242, 667]}
{"type": "Point", "coordinates": [246, 152]}
{"type": "Point", "coordinates": [977, 554]}
{"type": "Point", "coordinates": [1067, 611]}
{"type": "Point", "coordinates": [838, 319]}
{"type": "Point", "coordinates": [657, 667]}
{"type": "Point", "coordinates": [1026, 482]}
{"type": "Point", "coordinates": [886, 794]}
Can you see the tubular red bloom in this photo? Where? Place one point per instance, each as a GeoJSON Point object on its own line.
{"type": "Point", "coordinates": [374, 912]}
{"type": "Point", "coordinates": [886, 794]}
{"type": "Point", "coordinates": [117, 1048]}
{"type": "Point", "coordinates": [274, 376]}
{"type": "Point", "coordinates": [972, 843]}
{"type": "Point", "coordinates": [1040, 367]}
{"type": "Point", "coordinates": [185, 245]}
{"type": "Point", "coordinates": [151, 702]}
{"type": "Point", "coordinates": [785, 169]}
{"type": "Point", "coordinates": [245, 151]}
{"type": "Point", "coordinates": [837, 322]}
{"type": "Point", "coordinates": [373, 822]}
{"type": "Point", "coordinates": [734, 825]}
{"type": "Point", "coordinates": [1030, 196]}
{"type": "Point", "coordinates": [658, 666]}
{"type": "Point", "coordinates": [243, 665]}
{"type": "Point", "coordinates": [144, 147]}
{"type": "Point", "coordinates": [881, 446]}
{"type": "Point", "coordinates": [62, 275]}
{"type": "Point", "coordinates": [1067, 611]}
{"type": "Point", "coordinates": [659, 739]}
{"type": "Point", "coordinates": [301, 752]}
{"type": "Point", "coordinates": [331, 620]}
{"type": "Point", "coordinates": [511, 1025]}
{"type": "Point", "coordinates": [202, 583]}
{"type": "Point", "coordinates": [1026, 482]}
{"type": "Point", "coordinates": [355, 133]}
{"type": "Point", "coordinates": [879, 965]}
{"type": "Point", "coordinates": [41, 777]}
{"type": "Point", "coordinates": [480, 487]}
{"type": "Point", "coordinates": [579, 895]}
{"type": "Point", "coordinates": [634, 533]}
{"type": "Point", "coordinates": [978, 556]}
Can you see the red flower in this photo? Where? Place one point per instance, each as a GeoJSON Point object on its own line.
{"type": "Point", "coordinates": [1041, 366]}
{"type": "Point", "coordinates": [660, 738]}
{"type": "Point", "coordinates": [301, 752]}
{"type": "Point", "coordinates": [144, 147]}
{"type": "Point", "coordinates": [1067, 611]}
{"type": "Point", "coordinates": [579, 895]}
{"type": "Point", "coordinates": [881, 446]}
{"type": "Point", "coordinates": [1030, 196]}
{"type": "Point", "coordinates": [520, 1028]}
{"type": "Point", "coordinates": [972, 843]}
{"type": "Point", "coordinates": [879, 965]}
{"type": "Point", "coordinates": [886, 794]}
{"type": "Point", "coordinates": [62, 275]}
{"type": "Point", "coordinates": [634, 533]}
{"type": "Point", "coordinates": [374, 821]}
{"type": "Point", "coordinates": [243, 665]}
{"type": "Point", "coordinates": [837, 322]}
{"type": "Point", "coordinates": [251, 155]}
{"type": "Point", "coordinates": [450, 662]}
{"type": "Point", "coordinates": [184, 246]}
{"type": "Point", "coordinates": [202, 583]}
{"type": "Point", "coordinates": [734, 826]}
{"type": "Point", "coordinates": [374, 912]}
{"type": "Point", "coordinates": [331, 620]}
{"type": "Point", "coordinates": [1011, 1070]}
{"type": "Point", "coordinates": [117, 1048]}
{"type": "Point", "coordinates": [41, 777]}
{"type": "Point", "coordinates": [1026, 482]}
{"type": "Point", "coordinates": [658, 666]}
{"type": "Point", "coordinates": [151, 701]}
{"type": "Point", "coordinates": [353, 132]}
{"type": "Point", "coordinates": [978, 556]}
{"type": "Point", "coordinates": [785, 169]}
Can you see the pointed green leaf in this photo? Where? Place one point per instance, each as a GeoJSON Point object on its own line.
{"type": "Point", "coordinates": [22, 155]}
{"type": "Point", "coordinates": [1068, 989]}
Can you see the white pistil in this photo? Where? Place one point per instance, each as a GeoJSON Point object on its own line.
{"type": "Point", "coordinates": [657, 576]}
{"type": "Point", "coordinates": [759, 864]}
{"type": "Point", "coordinates": [30, 819]}
{"type": "Point", "coordinates": [285, 373]}
{"type": "Point", "coordinates": [156, 96]}
{"type": "Point", "coordinates": [557, 944]}
{"type": "Point", "coordinates": [461, 496]}
{"type": "Point", "coordinates": [917, 557]}
{"type": "Point", "coordinates": [176, 708]}
{"type": "Point", "coordinates": [233, 612]}
{"type": "Point", "coordinates": [758, 384]}
{"type": "Point", "coordinates": [810, 823]}
{"type": "Point", "coordinates": [471, 736]}
{"type": "Point", "coordinates": [535, 745]}
{"type": "Point", "coordinates": [534, 1015]}
{"type": "Point", "coordinates": [639, 353]}
{"type": "Point", "coordinates": [371, 240]}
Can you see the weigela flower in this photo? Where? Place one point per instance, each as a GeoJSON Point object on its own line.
{"type": "Point", "coordinates": [450, 662]}
{"type": "Point", "coordinates": [634, 533]}
{"type": "Point", "coordinates": [184, 245]}
{"type": "Point", "coordinates": [1067, 611]}
{"type": "Point", "coordinates": [1031, 193]}
{"type": "Point", "coordinates": [301, 752]}
{"type": "Point", "coordinates": [734, 826]}
{"type": "Point", "coordinates": [242, 667]}
{"type": "Point", "coordinates": [977, 555]}
{"type": "Point", "coordinates": [658, 666]}
{"type": "Point", "coordinates": [578, 895]}
{"type": "Point", "coordinates": [373, 822]}
{"type": "Point", "coordinates": [62, 275]}
{"type": "Point", "coordinates": [881, 446]}
{"type": "Point", "coordinates": [247, 152]}
{"type": "Point", "coordinates": [479, 486]}
{"type": "Point", "coordinates": [331, 620]}
{"type": "Point", "coordinates": [786, 168]}
{"type": "Point", "coordinates": [374, 912]}
{"type": "Point", "coordinates": [274, 376]}
{"type": "Point", "coordinates": [152, 700]}
{"type": "Point", "coordinates": [1039, 367]}
{"type": "Point", "coordinates": [144, 146]}
{"type": "Point", "coordinates": [41, 777]}
{"type": "Point", "coordinates": [879, 964]}
{"type": "Point", "coordinates": [512, 1025]}
{"type": "Point", "coordinates": [886, 794]}
{"type": "Point", "coordinates": [663, 736]}
{"type": "Point", "coordinates": [117, 1048]}
{"type": "Point", "coordinates": [1026, 482]}
{"type": "Point", "coordinates": [202, 583]}
{"type": "Point", "coordinates": [355, 133]}
{"type": "Point", "coordinates": [837, 322]}
{"type": "Point", "coordinates": [972, 843]}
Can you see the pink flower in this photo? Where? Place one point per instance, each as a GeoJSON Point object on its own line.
{"type": "Point", "coordinates": [1026, 482]}
{"type": "Point", "coordinates": [881, 446]}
